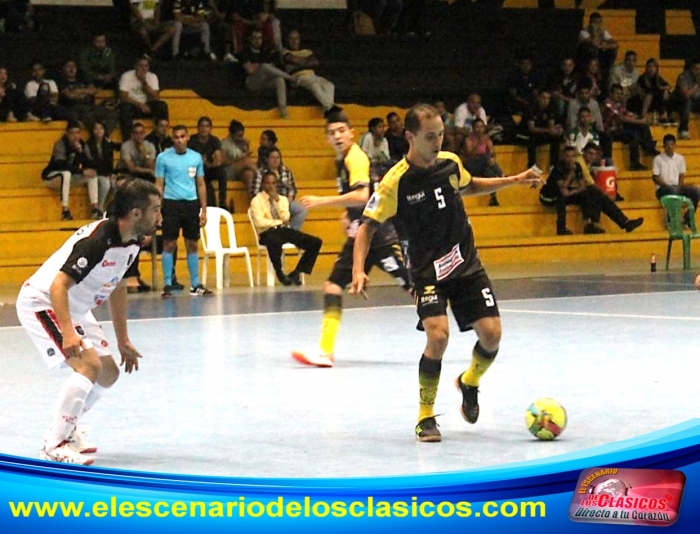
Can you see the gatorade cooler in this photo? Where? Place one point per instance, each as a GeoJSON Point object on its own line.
{"type": "Point", "coordinates": [606, 179]}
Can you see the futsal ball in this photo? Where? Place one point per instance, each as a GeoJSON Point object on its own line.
{"type": "Point", "coordinates": [545, 419]}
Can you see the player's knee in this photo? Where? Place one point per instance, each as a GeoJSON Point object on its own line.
{"type": "Point", "coordinates": [109, 372]}
{"type": "Point", "coordinates": [329, 288]}
{"type": "Point", "coordinates": [88, 364]}
{"type": "Point", "coordinates": [438, 337]}
{"type": "Point", "coordinates": [490, 337]}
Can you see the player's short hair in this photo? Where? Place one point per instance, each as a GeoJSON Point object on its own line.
{"type": "Point", "coordinates": [669, 137]}
{"type": "Point", "coordinates": [584, 108]}
{"type": "Point", "coordinates": [416, 114]}
{"type": "Point", "coordinates": [204, 119]}
{"type": "Point", "coordinates": [134, 193]}
{"type": "Point", "coordinates": [391, 115]}
{"type": "Point", "coordinates": [591, 146]}
{"type": "Point", "coordinates": [179, 128]}
{"type": "Point", "coordinates": [337, 116]}
{"type": "Point", "coordinates": [72, 125]}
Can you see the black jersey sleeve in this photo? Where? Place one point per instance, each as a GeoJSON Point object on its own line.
{"type": "Point", "coordinates": [86, 254]}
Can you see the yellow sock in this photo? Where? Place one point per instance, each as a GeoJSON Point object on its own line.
{"type": "Point", "coordinates": [332, 312]}
{"type": "Point", "coordinates": [428, 380]}
{"type": "Point", "coordinates": [481, 361]}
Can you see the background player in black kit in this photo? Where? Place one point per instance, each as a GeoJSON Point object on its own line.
{"type": "Point", "coordinates": [423, 193]}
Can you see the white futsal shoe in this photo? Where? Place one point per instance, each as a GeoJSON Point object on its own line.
{"type": "Point", "coordinates": [79, 441]}
{"type": "Point", "coordinates": [66, 454]}
{"type": "Point", "coordinates": [322, 360]}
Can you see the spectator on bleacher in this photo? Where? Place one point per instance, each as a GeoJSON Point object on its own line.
{"type": "Point", "coordinates": [238, 163]}
{"type": "Point", "coordinates": [286, 186]}
{"type": "Point", "coordinates": [539, 127]}
{"type": "Point", "coordinates": [574, 189]}
{"type": "Point", "coordinates": [17, 14]}
{"type": "Point", "coordinates": [563, 87]}
{"type": "Point", "coordinates": [98, 63]}
{"type": "Point", "coordinates": [584, 132]}
{"type": "Point", "coordinates": [246, 16]}
{"type": "Point", "coordinates": [270, 214]}
{"type": "Point", "coordinates": [261, 73]}
{"type": "Point", "coordinates": [396, 137]}
{"type": "Point", "coordinates": [99, 150]}
{"type": "Point", "coordinates": [138, 156]}
{"type": "Point", "coordinates": [583, 98]}
{"type": "Point", "coordinates": [11, 108]}
{"type": "Point", "coordinates": [669, 171]}
{"type": "Point", "coordinates": [465, 115]}
{"type": "Point", "coordinates": [522, 86]}
{"type": "Point", "coordinates": [687, 94]}
{"type": "Point", "coordinates": [42, 96]}
{"type": "Point", "coordinates": [449, 141]}
{"type": "Point", "coordinates": [146, 21]}
{"type": "Point", "coordinates": [591, 74]}
{"type": "Point", "coordinates": [159, 137]}
{"type": "Point", "coordinates": [77, 97]}
{"type": "Point", "coordinates": [139, 95]}
{"type": "Point", "coordinates": [268, 140]}
{"type": "Point", "coordinates": [300, 63]}
{"type": "Point", "coordinates": [626, 75]}
{"type": "Point", "coordinates": [69, 166]}
{"type": "Point", "coordinates": [595, 41]}
{"type": "Point", "coordinates": [655, 93]}
{"type": "Point", "coordinates": [478, 155]}
{"type": "Point", "coordinates": [190, 17]}
{"type": "Point", "coordinates": [374, 144]}
{"type": "Point", "coordinates": [384, 13]}
{"type": "Point", "coordinates": [209, 146]}
{"type": "Point", "coordinates": [621, 125]}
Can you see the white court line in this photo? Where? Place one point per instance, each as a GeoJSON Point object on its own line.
{"type": "Point", "coordinates": [609, 315]}
{"type": "Point", "coordinates": [346, 310]}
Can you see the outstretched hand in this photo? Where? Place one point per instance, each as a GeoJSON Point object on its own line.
{"type": "Point", "coordinates": [130, 357]}
{"type": "Point", "coordinates": [359, 284]}
{"type": "Point", "coordinates": [531, 177]}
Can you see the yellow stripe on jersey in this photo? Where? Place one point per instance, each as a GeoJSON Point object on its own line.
{"type": "Point", "coordinates": [384, 201]}
{"type": "Point", "coordinates": [357, 164]}
{"type": "Point", "coordinates": [464, 177]}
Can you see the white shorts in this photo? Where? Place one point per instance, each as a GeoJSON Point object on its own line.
{"type": "Point", "coordinates": [42, 327]}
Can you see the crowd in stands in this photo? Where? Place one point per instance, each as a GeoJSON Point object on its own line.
{"type": "Point", "coordinates": [591, 99]}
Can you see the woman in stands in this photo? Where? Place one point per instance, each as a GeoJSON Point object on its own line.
{"type": "Point", "coordinates": [10, 98]}
{"type": "Point", "coordinates": [478, 157]}
{"type": "Point", "coordinates": [100, 152]}
{"type": "Point", "coordinates": [268, 139]}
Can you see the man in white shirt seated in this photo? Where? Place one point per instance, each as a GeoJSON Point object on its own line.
{"type": "Point", "coordinates": [669, 173]}
{"type": "Point", "coordinates": [139, 97]}
{"type": "Point", "coordinates": [270, 214]}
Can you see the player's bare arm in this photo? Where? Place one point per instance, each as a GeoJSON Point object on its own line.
{"type": "Point", "coordinates": [353, 199]}
{"type": "Point", "coordinates": [61, 308]}
{"type": "Point", "coordinates": [363, 239]}
{"type": "Point", "coordinates": [480, 186]}
{"type": "Point", "coordinates": [118, 309]}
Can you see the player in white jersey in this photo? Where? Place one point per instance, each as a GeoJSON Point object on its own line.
{"type": "Point", "coordinates": [55, 307]}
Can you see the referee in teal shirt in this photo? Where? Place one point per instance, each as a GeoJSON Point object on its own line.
{"type": "Point", "coordinates": [180, 180]}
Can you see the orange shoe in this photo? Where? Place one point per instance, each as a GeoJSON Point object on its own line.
{"type": "Point", "coordinates": [322, 360]}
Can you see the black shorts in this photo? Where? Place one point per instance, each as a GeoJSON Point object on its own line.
{"type": "Point", "coordinates": [387, 257]}
{"type": "Point", "coordinates": [471, 298]}
{"type": "Point", "coordinates": [180, 215]}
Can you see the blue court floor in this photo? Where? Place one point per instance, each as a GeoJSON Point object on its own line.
{"type": "Point", "coordinates": [219, 394]}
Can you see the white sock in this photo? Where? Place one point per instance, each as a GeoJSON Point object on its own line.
{"type": "Point", "coordinates": [95, 394]}
{"type": "Point", "coordinates": [69, 404]}
{"type": "Point", "coordinates": [92, 190]}
{"type": "Point", "coordinates": [65, 188]}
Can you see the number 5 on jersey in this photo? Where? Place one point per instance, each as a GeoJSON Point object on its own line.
{"type": "Point", "coordinates": [440, 198]}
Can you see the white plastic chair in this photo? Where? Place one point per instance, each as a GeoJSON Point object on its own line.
{"type": "Point", "coordinates": [263, 249]}
{"type": "Point", "coordinates": [213, 246]}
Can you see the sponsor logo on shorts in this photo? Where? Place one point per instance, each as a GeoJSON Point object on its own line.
{"type": "Point", "coordinates": [104, 343]}
{"type": "Point", "coordinates": [448, 263]}
{"type": "Point", "coordinates": [79, 330]}
{"type": "Point", "coordinates": [621, 496]}
{"type": "Point", "coordinates": [51, 352]}
{"type": "Point", "coordinates": [428, 295]}
{"type": "Point", "coordinates": [107, 263]}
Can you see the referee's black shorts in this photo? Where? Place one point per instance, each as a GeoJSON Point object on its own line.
{"type": "Point", "coordinates": [180, 215]}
